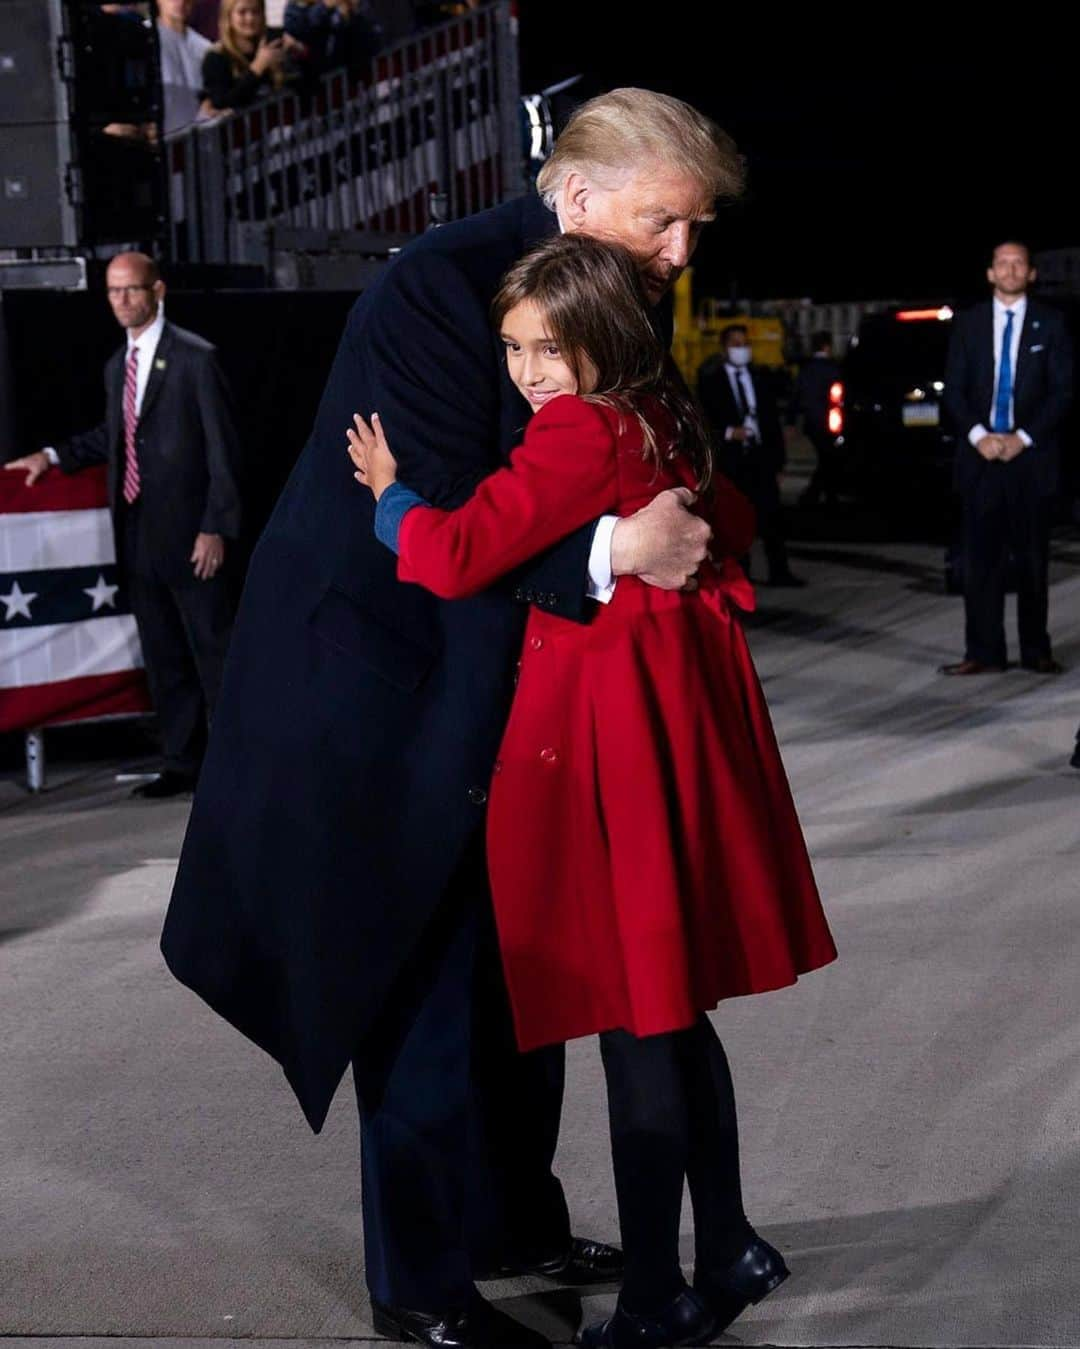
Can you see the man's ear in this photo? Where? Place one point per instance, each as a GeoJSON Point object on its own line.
{"type": "Point", "coordinates": [990, 275]}
{"type": "Point", "coordinates": [159, 291]}
{"type": "Point", "coordinates": [1033, 274]}
{"type": "Point", "coordinates": [576, 194]}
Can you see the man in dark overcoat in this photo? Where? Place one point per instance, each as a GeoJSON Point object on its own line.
{"type": "Point", "coordinates": [331, 897]}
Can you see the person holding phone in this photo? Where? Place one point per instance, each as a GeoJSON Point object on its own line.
{"type": "Point", "coordinates": [249, 61]}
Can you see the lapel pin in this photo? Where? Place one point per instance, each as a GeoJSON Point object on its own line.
{"type": "Point", "coordinates": [159, 364]}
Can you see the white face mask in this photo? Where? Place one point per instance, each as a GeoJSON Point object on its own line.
{"type": "Point", "coordinates": [740, 355]}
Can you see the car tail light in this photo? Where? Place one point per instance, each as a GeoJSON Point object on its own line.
{"type": "Point", "coordinates": [921, 315]}
{"type": "Point", "coordinates": [836, 394]}
{"type": "Point", "coordinates": [836, 421]}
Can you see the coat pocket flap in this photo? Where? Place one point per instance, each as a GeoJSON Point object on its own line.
{"type": "Point", "coordinates": [395, 656]}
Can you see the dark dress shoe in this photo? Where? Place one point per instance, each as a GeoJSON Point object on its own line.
{"type": "Point", "coordinates": [584, 1263]}
{"type": "Point", "coordinates": [1044, 665]}
{"type": "Point", "coordinates": [1074, 762]}
{"type": "Point", "coordinates": [970, 667]}
{"type": "Point", "coordinates": [687, 1320]}
{"type": "Point", "coordinates": [168, 783]}
{"type": "Point", "coordinates": [754, 1275]}
{"type": "Point", "coordinates": [479, 1326]}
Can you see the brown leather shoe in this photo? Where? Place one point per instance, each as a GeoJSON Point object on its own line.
{"type": "Point", "coordinates": [970, 667]}
{"type": "Point", "coordinates": [1044, 665]}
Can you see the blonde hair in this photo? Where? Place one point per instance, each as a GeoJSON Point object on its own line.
{"type": "Point", "coordinates": [229, 43]}
{"type": "Point", "coordinates": [617, 132]}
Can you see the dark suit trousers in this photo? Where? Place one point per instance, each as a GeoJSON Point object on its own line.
{"type": "Point", "coordinates": [825, 479]}
{"type": "Point", "coordinates": [1004, 512]}
{"type": "Point", "coordinates": [458, 1130]}
{"type": "Point", "coordinates": [672, 1110]}
{"type": "Point", "coordinates": [757, 480]}
{"type": "Point", "coordinates": [184, 632]}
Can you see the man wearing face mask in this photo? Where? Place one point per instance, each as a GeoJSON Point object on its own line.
{"type": "Point", "coordinates": [741, 411]}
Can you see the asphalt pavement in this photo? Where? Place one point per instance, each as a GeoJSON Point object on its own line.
{"type": "Point", "coordinates": [910, 1116]}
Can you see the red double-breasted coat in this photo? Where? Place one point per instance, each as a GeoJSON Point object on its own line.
{"type": "Point", "coordinates": [645, 856]}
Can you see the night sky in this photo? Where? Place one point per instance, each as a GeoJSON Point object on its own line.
{"type": "Point", "coordinates": [888, 171]}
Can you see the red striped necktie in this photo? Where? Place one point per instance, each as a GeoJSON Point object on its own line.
{"type": "Point", "coordinates": [131, 421]}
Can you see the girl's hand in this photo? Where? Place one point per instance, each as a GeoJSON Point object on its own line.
{"type": "Point", "coordinates": [376, 467]}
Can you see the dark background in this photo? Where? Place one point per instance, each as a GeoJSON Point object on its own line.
{"type": "Point", "coordinates": [887, 151]}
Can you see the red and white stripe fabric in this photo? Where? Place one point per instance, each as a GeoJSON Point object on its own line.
{"type": "Point", "coordinates": [131, 421]}
{"type": "Point", "coordinates": [69, 648]}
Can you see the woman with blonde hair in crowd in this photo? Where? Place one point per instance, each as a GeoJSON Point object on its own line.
{"type": "Point", "coordinates": [248, 62]}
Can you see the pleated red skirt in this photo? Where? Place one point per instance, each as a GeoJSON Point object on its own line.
{"type": "Point", "coordinates": [645, 854]}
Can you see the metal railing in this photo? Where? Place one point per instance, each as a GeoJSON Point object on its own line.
{"type": "Point", "coordinates": [436, 123]}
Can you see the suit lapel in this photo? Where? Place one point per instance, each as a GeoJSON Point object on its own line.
{"type": "Point", "coordinates": [1021, 350]}
{"type": "Point", "coordinates": [158, 370]}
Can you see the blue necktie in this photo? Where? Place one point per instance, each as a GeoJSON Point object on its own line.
{"type": "Point", "coordinates": [1003, 401]}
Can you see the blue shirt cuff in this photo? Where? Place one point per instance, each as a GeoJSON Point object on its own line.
{"type": "Point", "coordinates": [392, 507]}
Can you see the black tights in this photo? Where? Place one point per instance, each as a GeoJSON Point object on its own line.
{"type": "Point", "coordinates": [672, 1110]}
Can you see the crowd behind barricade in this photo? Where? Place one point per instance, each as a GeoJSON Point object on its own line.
{"type": "Point", "coordinates": [220, 56]}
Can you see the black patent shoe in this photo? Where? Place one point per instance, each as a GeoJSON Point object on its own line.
{"type": "Point", "coordinates": [687, 1319]}
{"type": "Point", "coordinates": [584, 1263]}
{"type": "Point", "coordinates": [479, 1326]}
{"type": "Point", "coordinates": [750, 1277]}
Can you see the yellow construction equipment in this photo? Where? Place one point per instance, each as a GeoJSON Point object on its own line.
{"type": "Point", "coordinates": [699, 336]}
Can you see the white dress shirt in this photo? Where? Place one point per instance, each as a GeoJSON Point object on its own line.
{"type": "Point", "coordinates": [181, 74]}
{"type": "Point", "coordinates": [601, 585]}
{"type": "Point", "coordinates": [147, 344]}
{"type": "Point", "coordinates": [741, 381]}
{"type": "Point", "coordinates": [1001, 313]}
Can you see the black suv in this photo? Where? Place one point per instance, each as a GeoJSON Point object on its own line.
{"type": "Point", "coordinates": [894, 438]}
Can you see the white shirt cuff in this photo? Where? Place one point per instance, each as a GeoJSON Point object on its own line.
{"type": "Point", "coordinates": [51, 455]}
{"type": "Point", "coordinates": [1028, 442]}
{"type": "Point", "coordinates": [976, 434]}
{"type": "Point", "coordinates": [601, 582]}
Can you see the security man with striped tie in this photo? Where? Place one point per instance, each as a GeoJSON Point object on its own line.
{"type": "Point", "coordinates": [1008, 386]}
{"type": "Point", "coordinates": [169, 440]}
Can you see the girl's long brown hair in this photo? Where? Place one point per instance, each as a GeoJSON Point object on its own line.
{"type": "Point", "coordinates": [592, 296]}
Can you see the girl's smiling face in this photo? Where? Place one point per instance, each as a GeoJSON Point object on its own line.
{"type": "Point", "coordinates": [537, 367]}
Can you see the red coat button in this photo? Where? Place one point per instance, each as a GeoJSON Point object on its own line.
{"type": "Point", "coordinates": [497, 767]}
{"type": "Point", "coordinates": [537, 643]}
{"type": "Point", "coordinates": [549, 755]}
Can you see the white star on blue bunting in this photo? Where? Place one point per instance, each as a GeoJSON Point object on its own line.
{"type": "Point", "coordinates": [101, 593]}
{"type": "Point", "coordinates": [17, 602]}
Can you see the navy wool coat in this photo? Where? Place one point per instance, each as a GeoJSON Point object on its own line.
{"type": "Point", "coordinates": [359, 717]}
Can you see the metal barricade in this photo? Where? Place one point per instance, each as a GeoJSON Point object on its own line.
{"type": "Point", "coordinates": [437, 121]}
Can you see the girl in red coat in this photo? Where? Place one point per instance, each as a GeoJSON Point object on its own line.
{"type": "Point", "coordinates": [645, 856]}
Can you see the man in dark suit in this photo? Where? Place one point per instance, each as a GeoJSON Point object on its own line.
{"type": "Point", "coordinates": [1008, 386]}
{"type": "Point", "coordinates": [813, 404]}
{"type": "Point", "coordinates": [170, 443]}
{"type": "Point", "coordinates": [740, 408]}
{"type": "Point", "coordinates": [331, 899]}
